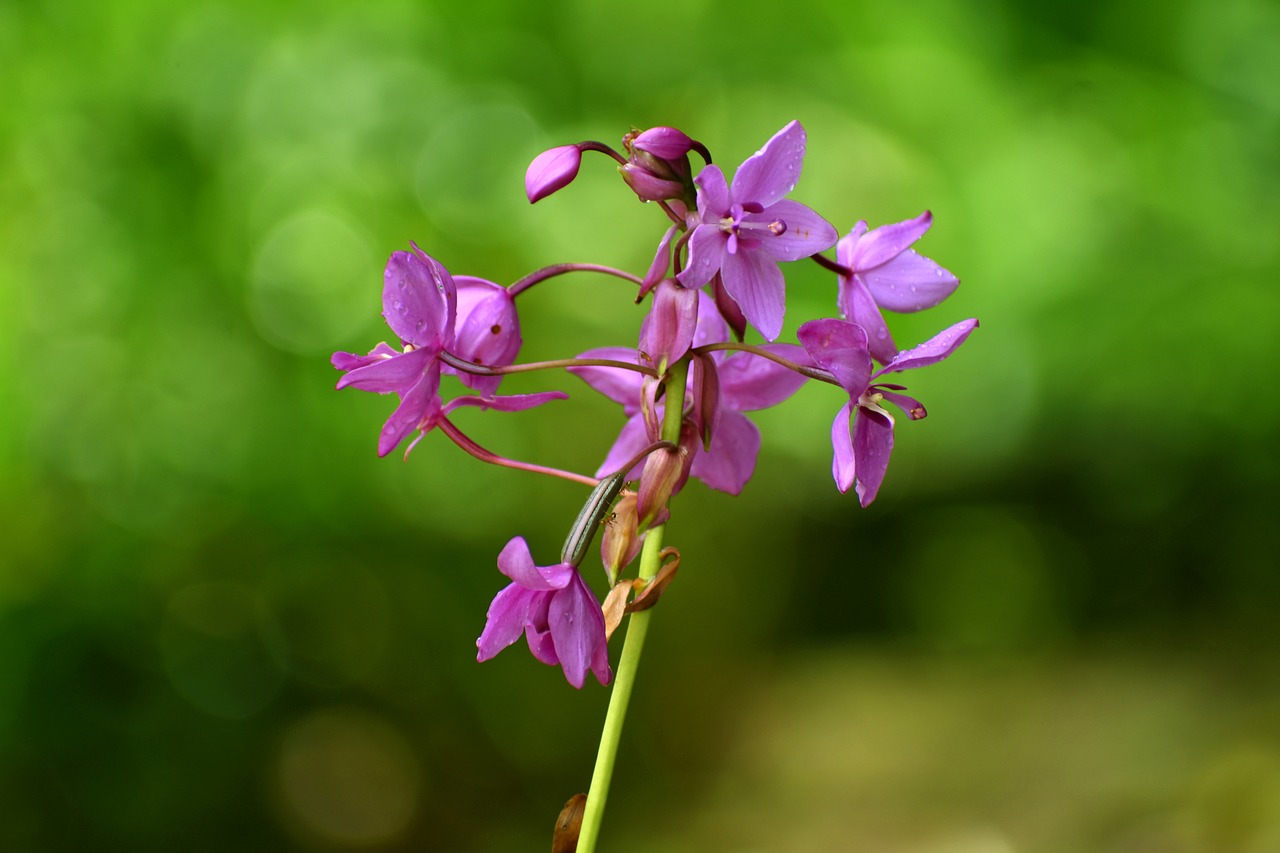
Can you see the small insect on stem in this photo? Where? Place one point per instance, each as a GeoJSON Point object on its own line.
{"type": "Point", "coordinates": [598, 506]}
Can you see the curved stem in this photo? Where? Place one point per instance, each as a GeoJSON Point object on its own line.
{"type": "Point", "coordinates": [520, 286]}
{"type": "Point", "coordinates": [633, 645]}
{"type": "Point", "coordinates": [555, 364]}
{"type": "Point", "coordinates": [826, 263]}
{"type": "Point", "coordinates": [804, 370]}
{"type": "Point", "coordinates": [469, 445]}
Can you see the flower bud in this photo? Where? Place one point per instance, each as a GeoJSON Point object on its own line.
{"type": "Point", "coordinates": [552, 170]}
{"type": "Point", "coordinates": [649, 186]}
{"type": "Point", "coordinates": [665, 142]}
{"type": "Point", "coordinates": [659, 480]}
{"type": "Point", "coordinates": [667, 332]}
{"type": "Point", "coordinates": [706, 398]}
{"type": "Point", "coordinates": [620, 543]}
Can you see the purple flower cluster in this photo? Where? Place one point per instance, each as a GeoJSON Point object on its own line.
{"type": "Point", "coordinates": [716, 274]}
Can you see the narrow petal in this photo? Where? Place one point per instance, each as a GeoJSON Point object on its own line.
{"type": "Point", "coordinates": [842, 461]}
{"type": "Point", "coordinates": [872, 444]}
{"type": "Point", "coordinates": [805, 232]}
{"type": "Point", "coordinates": [840, 347]}
{"type": "Point", "coordinates": [350, 361]}
{"type": "Point", "coordinates": [909, 283]}
{"type": "Point", "coordinates": [913, 408]}
{"type": "Point", "coordinates": [753, 280]}
{"type": "Point", "coordinates": [385, 374]}
{"type": "Point", "coordinates": [933, 350]}
{"type": "Point", "coordinates": [888, 241]}
{"type": "Point", "coordinates": [417, 299]}
{"type": "Point", "coordinates": [772, 172]}
{"type": "Point", "coordinates": [577, 629]}
{"type": "Point", "coordinates": [858, 306]}
{"type": "Point", "coordinates": [713, 194]}
{"type": "Point", "coordinates": [749, 383]}
{"type": "Point", "coordinates": [619, 385]}
{"type": "Point", "coordinates": [413, 407]}
{"type": "Point", "coordinates": [516, 562]}
{"type": "Point", "coordinates": [731, 461]}
{"type": "Point", "coordinates": [661, 263]}
{"type": "Point", "coordinates": [707, 250]}
{"type": "Point", "coordinates": [506, 621]}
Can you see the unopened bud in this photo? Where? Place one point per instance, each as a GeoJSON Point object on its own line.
{"type": "Point", "coordinates": [659, 480]}
{"type": "Point", "coordinates": [668, 329]}
{"type": "Point", "coordinates": [620, 543]}
{"type": "Point", "coordinates": [706, 397]}
{"type": "Point", "coordinates": [665, 142]}
{"type": "Point", "coordinates": [551, 170]}
{"type": "Point", "coordinates": [649, 186]}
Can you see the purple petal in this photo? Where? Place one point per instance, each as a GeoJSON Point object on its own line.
{"type": "Point", "coordinates": [888, 241]}
{"type": "Point", "coordinates": [749, 383]}
{"type": "Point", "coordinates": [872, 444]}
{"type": "Point", "coordinates": [713, 195]}
{"type": "Point", "coordinates": [840, 347]}
{"type": "Point", "coordinates": [619, 385]}
{"type": "Point", "coordinates": [753, 280]}
{"type": "Point", "coordinates": [633, 438]}
{"type": "Point", "coordinates": [550, 171]}
{"type": "Point", "coordinates": [842, 461]}
{"type": "Point", "coordinates": [707, 249]}
{"type": "Point", "coordinates": [537, 631]}
{"type": "Point", "coordinates": [418, 299]}
{"type": "Point", "coordinates": [914, 408]}
{"type": "Point", "coordinates": [857, 305]}
{"type": "Point", "coordinates": [661, 263]}
{"type": "Point", "coordinates": [731, 461]}
{"type": "Point", "coordinates": [772, 172]}
{"type": "Point", "coordinates": [488, 334]}
{"type": "Point", "coordinates": [933, 350]}
{"type": "Point", "coordinates": [516, 562]}
{"type": "Point", "coordinates": [507, 618]}
{"type": "Point", "coordinates": [909, 282]}
{"type": "Point", "coordinates": [385, 374]}
{"type": "Point", "coordinates": [806, 232]}
{"type": "Point", "coordinates": [848, 243]}
{"type": "Point", "coordinates": [577, 629]}
{"type": "Point", "coordinates": [413, 407]}
{"type": "Point", "coordinates": [350, 361]}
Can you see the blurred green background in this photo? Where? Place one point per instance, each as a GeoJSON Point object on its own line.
{"type": "Point", "coordinates": [226, 625]}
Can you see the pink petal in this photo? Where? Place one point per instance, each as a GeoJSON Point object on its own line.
{"type": "Point", "coordinates": [858, 306]}
{"type": "Point", "coordinates": [633, 438]}
{"type": "Point", "coordinates": [753, 280]}
{"type": "Point", "coordinates": [772, 172]}
{"type": "Point", "coordinates": [713, 195]}
{"type": "Point", "coordinates": [806, 232]}
{"type": "Point", "coordinates": [508, 615]}
{"type": "Point", "coordinates": [418, 299]}
{"type": "Point", "coordinates": [933, 350]}
{"type": "Point", "coordinates": [383, 375]}
{"type": "Point", "coordinates": [910, 282]}
{"type": "Point", "coordinates": [577, 629]}
{"type": "Point", "coordinates": [872, 444]}
{"type": "Point", "coordinates": [840, 347]}
{"type": "Point", "coordinates": [749, 383]}
{"type": "Point", "coordinates": [350, 361]}
{"type": "Point", "coordinates": [488, 334]}
{"type": "Point", "coordinates": [731, 461]}
{"type": "Point", "coordinates": [707, 250]}
{"type": "Point", "coordinates": [619, 385]}
{"type": "Point", "coordinates": [888, 241]}
{"type": "Point", "coordinates": [842, 461]}
{"type": "Point", "coordinates": [516, 562]}
{"type": "Point", "coordinates": [413, 407]}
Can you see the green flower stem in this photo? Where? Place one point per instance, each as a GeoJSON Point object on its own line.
{"type": "Point", "coordinates": [633, 645]}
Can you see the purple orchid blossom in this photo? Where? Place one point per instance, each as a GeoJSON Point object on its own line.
{"type": "Point", "coordinates": [887, 273]}
{"type": "Point", "coordinates": [555, 611]}
{"type": "Point", "coordinates": [862, 433]}
{"type": "Point", "coordinates": [744, 229]}
{"type": "Point", "coordinates": [432, 313]}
